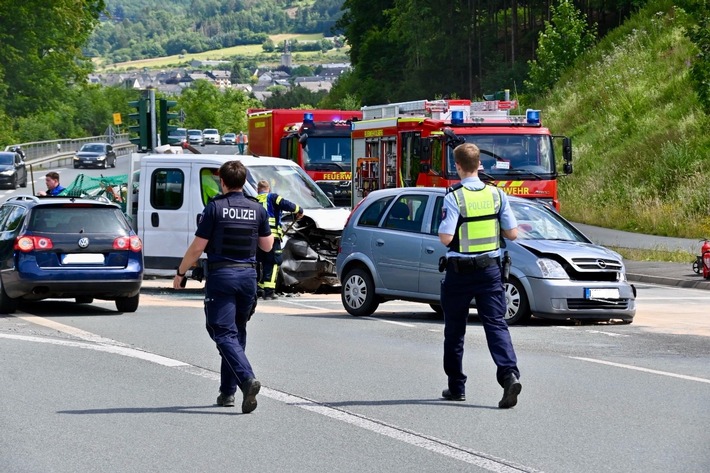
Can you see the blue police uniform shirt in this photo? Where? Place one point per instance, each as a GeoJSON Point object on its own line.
{"type": "Point", "coordinates": [214, 214]}
{"type": "Point", "coordinates": [450, 214]}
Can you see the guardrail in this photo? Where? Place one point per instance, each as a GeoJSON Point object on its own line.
{"type": "Point", "coordinates": [56, 153]}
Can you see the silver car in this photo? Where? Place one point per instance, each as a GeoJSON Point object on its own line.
{"type": "Point", "coordinates": [390, 249]}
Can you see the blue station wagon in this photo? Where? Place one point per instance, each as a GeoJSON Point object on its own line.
{"type": "Point", "coordinates": [390, 249]}
{"type": "Point", "coordinates": [57, 247]}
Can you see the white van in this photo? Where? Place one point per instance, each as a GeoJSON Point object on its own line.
{"type": "Point", "coordinates": [174, 189]}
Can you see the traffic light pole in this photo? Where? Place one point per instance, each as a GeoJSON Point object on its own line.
{"type": "Point", "coordinates": [153, 121]}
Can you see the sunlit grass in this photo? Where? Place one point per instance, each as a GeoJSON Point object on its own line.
{"type": "Point", "coordinates": [641, 141]}
{"type": "Point", "coordinates": [677, 256]}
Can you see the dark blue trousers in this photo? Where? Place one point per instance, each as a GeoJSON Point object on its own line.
{"type": "Point", "coordinates": [229, 295]}
{"type": "Point", "coordinates": [457, 290]}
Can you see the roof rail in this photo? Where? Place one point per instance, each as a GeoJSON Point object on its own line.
{"type": "Point", "coordinates": [23, 198]}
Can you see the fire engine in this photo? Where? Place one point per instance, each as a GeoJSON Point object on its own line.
{"type": "Point", "coordinates": [317, 140]}
{"type": "Point", "coordinates": [411, 144]}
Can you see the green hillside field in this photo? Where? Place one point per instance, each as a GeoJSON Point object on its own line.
{"type": "Point", "coordinates": [640, 138]}
{"type": "Point", "coordinates": [252, 51]}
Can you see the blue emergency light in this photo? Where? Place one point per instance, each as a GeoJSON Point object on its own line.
{"type": "Point", "coordinates": [308, 117]}
{"type": "Point", "coordinates": [532, 116]}
{"type": "Point", "coordinates": [456, 117]}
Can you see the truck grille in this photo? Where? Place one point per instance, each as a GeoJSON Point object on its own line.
{"type": "Point", "coordinates": [584, 304]}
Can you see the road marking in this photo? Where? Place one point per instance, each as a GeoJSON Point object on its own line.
{"type": "Point", "coordinates": [114, 348]}
{"type": "Point", "coordinates": [402, 324]}
{"type": "Point", "coordinates": [432, 444]}
{"type": "Point", "coordinates": [609, 334]}
{"type": "Point", "coordinates": [645, 370]}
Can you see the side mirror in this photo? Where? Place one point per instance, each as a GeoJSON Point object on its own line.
{"type": "Point", "coordinates": [303, 140]}
{"type": "Point", "coordinates": [567, 149]}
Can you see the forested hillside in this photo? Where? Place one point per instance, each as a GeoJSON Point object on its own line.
{"type": "Point", "coordinates": [137, 29]}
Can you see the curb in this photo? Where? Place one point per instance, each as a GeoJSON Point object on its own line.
{"type": "Point", "coordinates": [667, 281]}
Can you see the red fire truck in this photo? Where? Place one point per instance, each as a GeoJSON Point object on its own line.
{"type": "Point", "coordinates": [411, 143]}
{"type": "Point", "coordinates": [317, 140]}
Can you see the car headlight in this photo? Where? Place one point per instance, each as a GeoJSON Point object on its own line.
{"type": "Point", "coordinates": [551, 269]}
{"type": "Point", "coordinates": [9, 172]}
{"type": "Point", "coordinates": [100, 158]}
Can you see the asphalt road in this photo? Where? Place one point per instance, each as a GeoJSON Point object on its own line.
{"type": "Point", "coordinates": [88, 389]}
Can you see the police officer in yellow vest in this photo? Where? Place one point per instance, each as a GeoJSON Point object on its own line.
{"type": "Point", "coordinates": [271, 260]}
{"type": "Point", "coordinates": [473, 218]}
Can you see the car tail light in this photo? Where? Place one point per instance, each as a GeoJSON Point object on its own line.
{"type": "Point", "coordinates": [132, 243]}
{"type": "Point", "coordinates": [29, 243]}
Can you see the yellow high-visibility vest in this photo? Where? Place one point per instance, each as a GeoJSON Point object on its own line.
{"type": "Point", "coordinates": [479, 228]}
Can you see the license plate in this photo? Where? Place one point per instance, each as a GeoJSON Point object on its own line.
{"type": "Point", "coordinates": [83, 258]}
{"type": "Point", "coordinates": [601, 293]}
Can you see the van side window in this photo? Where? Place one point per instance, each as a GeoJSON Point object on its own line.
{"type": "Point", "coordinates": [209, 184]}
{"type": "Point", "coordinates": [167, 189]}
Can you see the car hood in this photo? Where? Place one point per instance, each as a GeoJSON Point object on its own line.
{"type": "Point", "coordinates": [89, 154]}
{"type": "Point", "coordinates": [332, 219]}
{"type": "Point", "coordinates": [569, 249]}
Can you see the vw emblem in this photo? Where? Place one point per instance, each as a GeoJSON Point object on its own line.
{"type": "Point", "coordinates": [600, 262]}
{"type": "Point", "coordinates": [83, 242]}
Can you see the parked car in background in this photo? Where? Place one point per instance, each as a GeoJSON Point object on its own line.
{"type": "Point", "coordinates": [69, 248]}
{"type": "Point", "coordinates": [101, 155]}
{"type": "Point", "coordinates": [177, 137]}
{"type": "Point", "coordinates": [390, 249]}
{"type": "Point", "coordinates": [195, 137]}
{"type": "Point", "coordinates": [13, 170]}
{"type": "Point", "coordinates": [210, 136]}
{"type": "Point", "coordinates": [229, 139]}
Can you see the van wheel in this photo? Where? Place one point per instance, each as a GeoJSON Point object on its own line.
{"type": "Point", "coordinates": [358, 293]}
{"type": "Point", "coordinates": [8, 305]}
{"type": "Point", "coordinates": [516, 301]}
{"type": "Point", "coordinates": [127, 304]}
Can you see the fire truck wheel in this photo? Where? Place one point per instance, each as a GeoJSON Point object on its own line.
{"type": "Point", "coordinates": [358, 293]}
{"type": "Point", "coordinates": [516, 300]}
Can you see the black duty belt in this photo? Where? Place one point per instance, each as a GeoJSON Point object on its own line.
{"type": "Point", "coordinates": [229, 264]}
{"type": "Point", "coordinates": [467, 264]}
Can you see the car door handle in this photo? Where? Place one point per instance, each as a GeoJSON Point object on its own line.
{"type": "Point", "coordinates": [379, 242]}
{"type": "Point", "coordinates": [429, 250]}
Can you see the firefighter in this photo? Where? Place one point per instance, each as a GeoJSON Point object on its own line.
{"type": "Point", "coordinates": [473, 218]}
{"type": "Point", "coordinates": [271, 260]}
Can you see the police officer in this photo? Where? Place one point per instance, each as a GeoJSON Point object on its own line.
{"type": "Point", "coordinates": [271, 260]}
{"type": "Point", "coordinates": [230, 230]}
{"type": "Point", "coordinates": [473, 218]}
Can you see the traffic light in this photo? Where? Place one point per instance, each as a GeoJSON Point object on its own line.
{"type": "Point", "coordinates": [165, 116]}
{"type": "Point", "coordinates": [142, 126]}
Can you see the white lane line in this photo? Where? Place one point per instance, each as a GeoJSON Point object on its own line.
{"type": "Point", "coordinates": [401, 324]}
{"type": "Point", "coordinates": [107, 348]}
{"type": "Point", "coordinates": [432, 444]}
{"type": "Point", "coordinates": [76, 332]}
{"type": "Point", "coordinates": [645, 370]}
{"type": "Point", "coordinates": [609, 334]}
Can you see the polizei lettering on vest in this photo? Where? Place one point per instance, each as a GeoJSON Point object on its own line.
{"type": "Point", "coordinates": [479, 205]}
{"type": "Point", "coordinates": [238, 214]}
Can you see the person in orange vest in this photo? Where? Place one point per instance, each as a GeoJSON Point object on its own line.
{"type": "Point", "coordinates": [242, 141]}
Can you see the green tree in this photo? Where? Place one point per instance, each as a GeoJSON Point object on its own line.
{"type": "Point", "coordinates": [296, 97]}
{"type": "Point", "coordinates": [699, 34]}
{"type": "Point", "coordinates": [41, 51]}
{"type": "Point", "coordinates": [566, 36]}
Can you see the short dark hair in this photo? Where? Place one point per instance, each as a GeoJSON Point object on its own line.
{"type": "Point", "coordinates": [53, 175]}
{"type": "Point", "coordinates": [468, 156]}
{"type": "Point", "coordinates": [234, 174]}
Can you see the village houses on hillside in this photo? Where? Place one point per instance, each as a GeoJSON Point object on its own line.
{"type": "Point", "coordinates": [172, 82]}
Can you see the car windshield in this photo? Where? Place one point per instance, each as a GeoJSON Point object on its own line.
{"type": "Point", "coordinates": [93, 148]}
{"type": "Point", "coordinates": [291, 183]}
{"type": "Point", "coordinates": [194, 132]}
{"type": "Point", "coordinates": [79, 219]}
{"type": "Point", "coordinates": [211, 131]}
{"type": "Point", "coordinates": [6, 159]}
{"type": "Point", "coordinates": [538, 223]}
